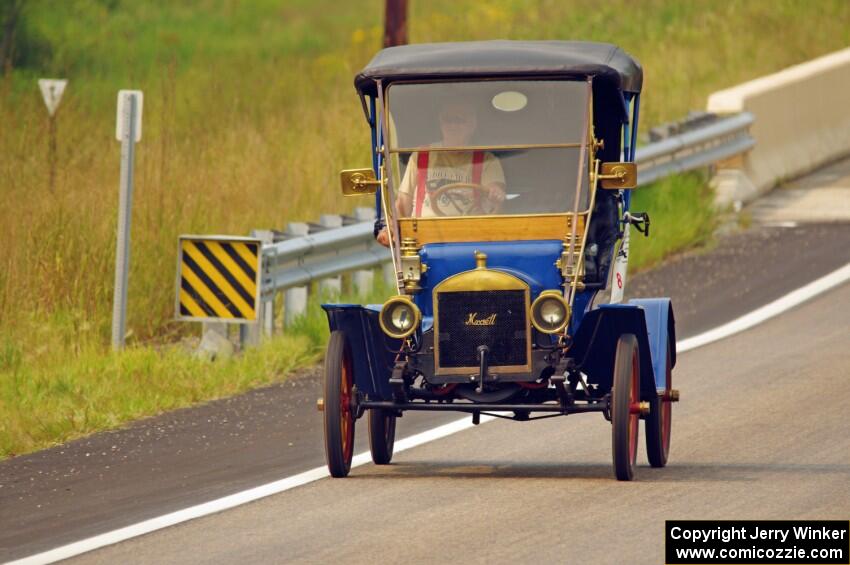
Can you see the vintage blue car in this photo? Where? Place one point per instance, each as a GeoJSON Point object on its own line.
{"type": "Point", "coordinates": [502, 171]}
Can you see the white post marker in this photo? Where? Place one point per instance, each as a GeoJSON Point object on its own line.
{"type": "Point", "coordinates": [121, 124]}
{"type": "Point", "coordinates": [128, 131]}
{"type": "Point", "coordinates": [51, 91]}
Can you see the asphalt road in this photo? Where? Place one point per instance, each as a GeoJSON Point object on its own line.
{"type": "Point", "coordinates": [762, 433]}
{"type": "Point", "coordinates": [186, 457]}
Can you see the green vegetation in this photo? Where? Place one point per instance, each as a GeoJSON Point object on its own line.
{"type": "Point", "coordinates": [682, 215]}
{"type": "Point", "coordinates": [74, 388]}
{"type": "Point", "coordinates": [59, 399]}
{"type": "Point", "coordinates": [249, 113]}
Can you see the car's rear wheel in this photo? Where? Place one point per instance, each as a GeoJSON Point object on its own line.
{"type": "Point", "coordinates": [625, 407]}
{"type": "Point", "coordinates": [381, 435]}
{"type": "Point", "coordinates": [659, 423]}
{"type": "Point", "coordinates": [338, 412]}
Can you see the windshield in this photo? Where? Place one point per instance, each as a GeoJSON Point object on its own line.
{"type": "Point", "coordinates": [488, 148]}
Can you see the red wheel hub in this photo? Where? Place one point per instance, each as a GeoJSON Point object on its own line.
{"type": "Point", "coordinates": [634, 409]}
{"type": "Point", "coordinates": [347, 419]}
{"type": "Point", "coordinates": [666, 411]}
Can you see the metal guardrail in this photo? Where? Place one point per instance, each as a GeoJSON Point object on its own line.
{"type": "Point", "coordinates": [694, 149]}
{"type": "Point", "coordinates": [297, 262]}
{"type": "Point", "coordinates": [303, 257]}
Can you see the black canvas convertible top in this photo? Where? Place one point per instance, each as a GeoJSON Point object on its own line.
{"type": "Point", "coordinates": [481, 59]}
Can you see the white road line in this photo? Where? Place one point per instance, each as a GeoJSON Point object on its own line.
{"type": "Point", "coordinates": [768, 311]}
{"type": "Point", "coordinates": [233, 500]}
{"type": "Point", "coordinates": [745, 322]}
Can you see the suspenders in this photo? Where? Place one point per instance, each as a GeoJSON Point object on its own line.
{"type": "Point", "coordinates": [422, 176]}
{"type": "Point", "coordinates": [477, 165]}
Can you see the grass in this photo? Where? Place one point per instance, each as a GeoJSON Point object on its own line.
{"type": "Point", "coordinates": [249, 113]}
{"type": "Point", "coordinates": [682, 214]}
{"type": "Point", "coordinates": [62, 397]}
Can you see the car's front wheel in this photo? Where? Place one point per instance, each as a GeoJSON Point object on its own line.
{"type": "Point", "coordinates": [338, 411]}
{"type": "Point", "coordinates": [659, 423]}
{"type": "Point", "coordinates": [625, 407]}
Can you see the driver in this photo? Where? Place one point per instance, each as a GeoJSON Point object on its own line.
{"type": "Point", "coordinates": [427, 172]}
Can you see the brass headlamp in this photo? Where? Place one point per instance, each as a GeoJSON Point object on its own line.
{"type": "Point", "coordinates": [550, 312]}
{"type": "Point", "coordinates": [399, 317]}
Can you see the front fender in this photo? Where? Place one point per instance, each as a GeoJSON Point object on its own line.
{"type": "Point", "coordinates": [661, 330]}
{"type": "Point", "coordinates": [595, 342]}
{"type": "Point", "coordinates": [373, 352]}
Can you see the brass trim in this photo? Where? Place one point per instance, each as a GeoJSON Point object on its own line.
{"type": "Point", "coordinates": [393, 229]}
{"type": "Point", "coordinates": [480, 260]}
{"type": "Point", "coordinates": [357, 182]}
{"type": "Point", "coordinates": [560, 297]}
{"type": "Point", "coordinates": [408, 246]}
{"type": "Point", "coordinates": [459, 229]}
{"type": "Point", "coordinates": [437, 149]}
{"type": "Point", "coordinates": [411, 265]}
{"type": "Point", "coordinates": [417, 317]}
{"type": "Point", "coordinates": [496, 216]}
{"type": "Point", "coordinates": [477, 280]}
{"type": "Point", "coordinates": [572, 259]}
{"type": "Point", "coordinates": [576, 283]}
{"type": "Point", "coordinates": [616, 176]}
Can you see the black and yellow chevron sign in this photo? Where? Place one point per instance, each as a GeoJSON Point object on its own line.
{"type": "Point", "coordinates": [218, 279]}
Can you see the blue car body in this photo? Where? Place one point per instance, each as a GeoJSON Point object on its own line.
{"type": "Point", "coordinates": [517, 310]}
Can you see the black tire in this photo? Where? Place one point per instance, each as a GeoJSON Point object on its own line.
{"type": "Point", "coordinates": [381, 436]}
{"type": "Point", "coordinates": [659, 423]}
{"type": "Point", "coordinates": [624, 415]}
{"type": "Point", "coordinates": [338, 413]}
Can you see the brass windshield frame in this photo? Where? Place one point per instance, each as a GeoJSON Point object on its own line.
{"type": "Point", "coordinates": [389, 150]}
{"type": "Point", "coordinates": [437, 149]}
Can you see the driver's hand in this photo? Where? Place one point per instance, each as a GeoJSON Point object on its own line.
{"type": "Point", "coordinates": [496, 194]}
{"type": "Point", "coordinates": [383, 237]}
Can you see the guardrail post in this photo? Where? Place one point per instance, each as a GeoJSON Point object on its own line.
{"type": "Point", "coordinates": [331, 286]}
{"type": "Point", "coordinates": [364, 280]}
{"type": "Point", "coordinates": [250, 334]}
{"type": "Point", "coordinates": [295, 299]}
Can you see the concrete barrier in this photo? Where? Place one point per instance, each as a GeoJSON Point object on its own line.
{"type": "Point", "coordinates": [802, 120]}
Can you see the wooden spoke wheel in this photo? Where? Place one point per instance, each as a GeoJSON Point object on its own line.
{"type": "Point", "coordinates": [381, 435]}
{"type": "Point", "coordinates": [339, 412]}
{"type": "Point", "coordinates": [625, 407]}
{"type": "Point", "coordinates": [659, 423]}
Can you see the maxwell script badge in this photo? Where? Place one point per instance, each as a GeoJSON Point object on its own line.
{"type": "Point", "coordinates": [473, 320]}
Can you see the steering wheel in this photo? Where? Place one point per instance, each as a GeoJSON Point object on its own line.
{"type": "Point", "coordinates": [479, 192]}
